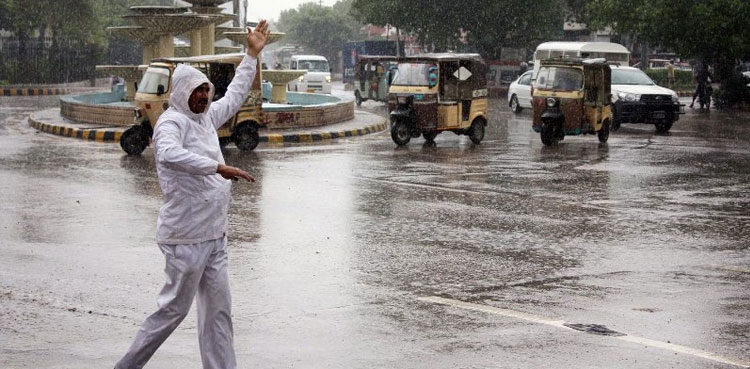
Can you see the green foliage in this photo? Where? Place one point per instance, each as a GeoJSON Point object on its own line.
{"type": "Point", "coordinates": [320, 29]}
{"type": "Point", "coordinates": [489, 24]}
{"type": "Point", "coordinates": [683, 79]}
{"type": "Point", "coordinates": [734, 92]}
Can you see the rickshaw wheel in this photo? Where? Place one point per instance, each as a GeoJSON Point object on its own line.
{"type": "Point", "coordinates": [133, 140]}
{"type": "Point", "coordinates": [430, 136]}
{"type": "Point", "coordinates": [477, 131]}
{"type": "Point", "coordinates": [245, 136]}
{"type": "Point", "coordinates": [604, 132]}
{"type": "Point", "coordinates": [548, 134]}
{"type": "Point", "coordinates": [514, 106]}
{"type": "Point", "coordinates": [357, 98]}
{"type": "Point", "coordinates": [400, 133]}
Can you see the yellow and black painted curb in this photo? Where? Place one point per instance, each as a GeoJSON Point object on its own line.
{"type": "Point", "coordinates": [314, 137]}
{"type": "Point", "coordinates": [32, 91]}
{"type": "Point", "coordinates": [99, 135]}
{"type": "Point", "coordinates": [109, 135]}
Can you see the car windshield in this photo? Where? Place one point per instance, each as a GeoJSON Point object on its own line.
{"type": "Point", "coordinates": [559, 78]}
{"type": "Point", "coordinates": [154, 77]}
{"type": "Point", "coordinates": [314, 65]}
{"type": "Point", "coordinates": [412, 74]}
{"type": "Point", "coordinates": [630, 77]}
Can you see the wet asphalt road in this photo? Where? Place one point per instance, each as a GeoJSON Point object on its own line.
{"type": "Point", "coordinates": [358, 254]}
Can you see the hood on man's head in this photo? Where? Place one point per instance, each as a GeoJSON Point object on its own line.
{"type": "Point", "coordinates": [185, 79]}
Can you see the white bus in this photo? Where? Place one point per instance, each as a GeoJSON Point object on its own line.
{"type": "Point", "coordinates": [614, 53]}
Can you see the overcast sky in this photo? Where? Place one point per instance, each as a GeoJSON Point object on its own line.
{"type": "Point", "coordinates": [270, 9]}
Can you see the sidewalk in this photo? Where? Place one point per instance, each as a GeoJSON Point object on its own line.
{"type": "Point", "coordinates": [50, 121]}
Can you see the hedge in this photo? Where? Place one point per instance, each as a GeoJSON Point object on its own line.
{"type": "Point", "coordinates": [683, 78]}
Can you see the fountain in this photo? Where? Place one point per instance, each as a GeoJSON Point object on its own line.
{"type": "Point", "coordinates": [154, 27]}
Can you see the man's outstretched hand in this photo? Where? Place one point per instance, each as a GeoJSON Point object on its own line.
{"type": "Point", "coordinates": [233, 173]}
{"type": "Point", "coordinates": [256, 39]}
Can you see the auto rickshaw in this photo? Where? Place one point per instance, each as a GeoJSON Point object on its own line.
{"type": "Point", "coordinates": [372, 77]}
{"type": "Point", "coordinates": [432, 93]}
{"type": "Point", "coordinates": [572, 97]}
{"type": "Point", "coordinates": [152, 99]}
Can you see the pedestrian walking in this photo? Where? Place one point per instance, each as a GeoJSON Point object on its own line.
{"type": "Point", "coordinates": [703, 79]}
{"type": "Point", "coordinates": [191, 229]}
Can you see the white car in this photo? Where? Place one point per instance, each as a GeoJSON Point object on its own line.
{"type": "Point", "coordinates": [519, 93]}
{"type": "Point", "coordinates": [637, 99]}
{"type": "Point", "coordinates": [317, 78]}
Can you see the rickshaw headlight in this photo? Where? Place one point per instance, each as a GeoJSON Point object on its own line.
{"type": "Point", "coordinates": [551, 102]}
{"type": "Point", "coordinates": [401, 100]}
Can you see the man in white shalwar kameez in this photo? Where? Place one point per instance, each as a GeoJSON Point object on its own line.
{"type": "Point", "coordinates": [192, 225]}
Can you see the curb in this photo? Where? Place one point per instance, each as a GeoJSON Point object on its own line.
{"type": "Point", "coordinates": [322, 136]}
{"type": "Point", "coordinates": [113, 135]}
{"type": "Point", "coordinates": [32, 91]}
{"type": "Point", "coordinates": [99, 135]}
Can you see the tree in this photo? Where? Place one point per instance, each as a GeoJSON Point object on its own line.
{"type": "Point", "coordinates": [489, 25]}
{"type": "Point", "coordinates": [711, 31]}
{"type": "Point", "coordinates": [321, 29]}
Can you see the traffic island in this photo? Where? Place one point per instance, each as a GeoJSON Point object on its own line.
{"type": "Point", "coordinates": [50, 121]}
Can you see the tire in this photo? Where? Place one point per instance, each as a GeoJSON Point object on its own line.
{"type": "Point", "coordinates": [514, 105]}
{"type": "Point", "coordinates": [358, 98]}
{"type": "Point", "coordinates": [604, 132]}
{"type": "Point", "coordinates": [476, 133]}
{"type": "Point", "coordinates": [133, 141]}
{"type": "Point", "coordinates": [430, 136]}
{"type": "Point", "coordinates": [245, 136]}
{"type": "Point", "coordinates": [548, 135]}
{"type": "Point", "coordinates": [663, 127]}
{"type": "Point", "coordinates": [224, 141]}
{"type": "Point", "coordinates": [400, 133]}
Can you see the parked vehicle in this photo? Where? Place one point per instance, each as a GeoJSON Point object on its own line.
{"type": "Point", "coordinates": [615, 54]}
{"type": "Point", "coordinates": [152, 99]}
{"type": "Point", "coordinates": [432, 93]}
{"type": "Point", "coordinates": [372, 77]}
{"type": "Point", "coordinates": [519, 93]}
{"type": "Point", "coordinates": [572, 97]}
{"type": "Point", "coordinates": [317, 78]}
{"type": "Point", "coordinates": [637, 99]}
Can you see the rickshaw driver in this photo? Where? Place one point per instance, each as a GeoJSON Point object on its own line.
{"type": "Point", "coordinates": [192, 223]}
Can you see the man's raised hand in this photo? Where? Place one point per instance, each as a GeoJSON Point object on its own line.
{"type": "Point", "coordinates": [256, 39]}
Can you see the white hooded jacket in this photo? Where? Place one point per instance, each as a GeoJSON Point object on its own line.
{"type": "Point", "coordinates": [187, 153]}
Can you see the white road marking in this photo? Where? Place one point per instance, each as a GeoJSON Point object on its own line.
{"type": "Point", "coordinates": [559, 323]}
{"type": "Point", "coordinates": [731, 268]}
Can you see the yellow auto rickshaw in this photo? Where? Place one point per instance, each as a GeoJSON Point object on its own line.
{"type": "Point", "coordinates": [152, 99]}
{"type": "Point", "coordinates": [572, 97]}
{"type": "Point", "coordinates": [432, 93]}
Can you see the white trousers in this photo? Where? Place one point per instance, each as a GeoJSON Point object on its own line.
{"type": "Point", "coordinates": [191, 269]}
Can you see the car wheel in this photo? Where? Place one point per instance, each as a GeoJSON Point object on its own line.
{"type": "Point", "coordinates": [476, 133]}
{"type": "Point", "coordinates": [133, 140]}
{"type": "Point", "coordinates": [357, 98]}
{"type": "Point", "coordinates": [663, 127]}
{"type": "Point", "coordinates": [245, 136]}
{"type": "Point", "coordinates": [400, 133]}
{"type": "Point", "coordinates": [604, 132]}
{"type": "Point", "coordinates": [514, 106]}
